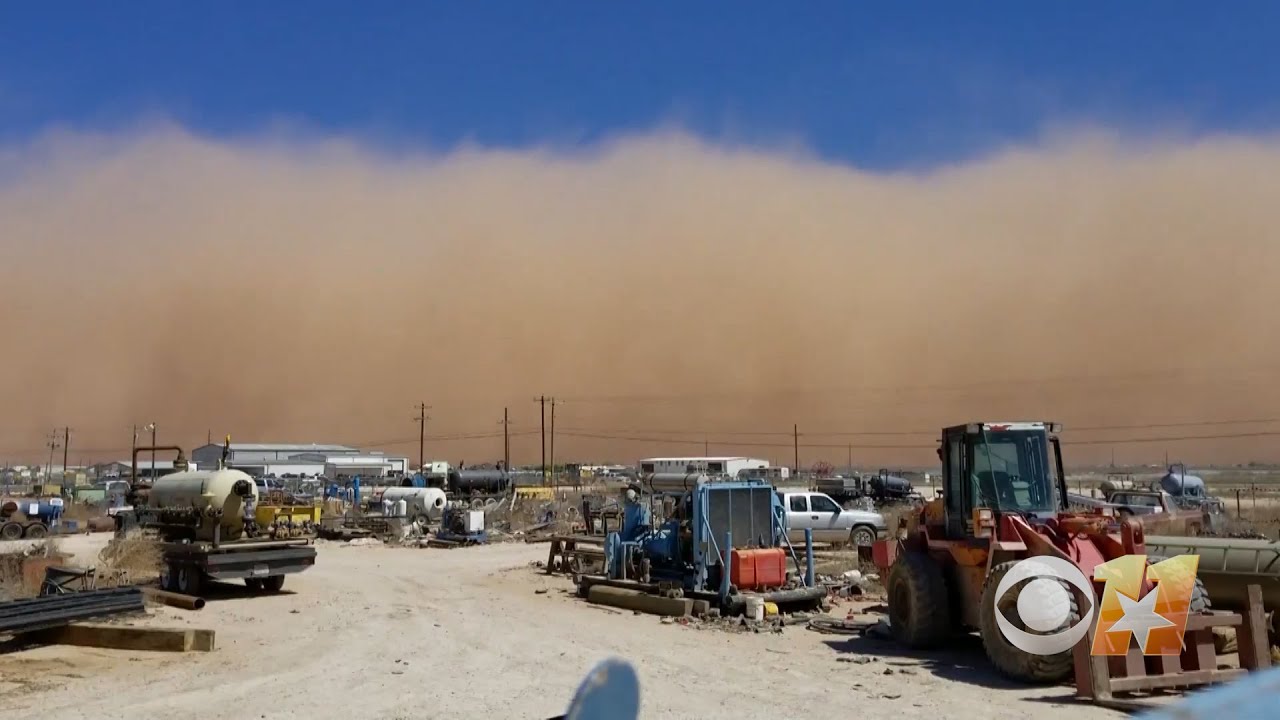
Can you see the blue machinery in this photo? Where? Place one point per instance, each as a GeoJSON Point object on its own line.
{"type": "Point", "coordinates": [453, 527]}
{"type": "Point", "coordinates": [705, 521]}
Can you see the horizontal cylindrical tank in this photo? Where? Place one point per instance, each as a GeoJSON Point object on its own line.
{"type": "Point", "coordinates": [1228, 566]}
{"type": "Point", "coordinates": [420, 502]}
{"type": "Point", "coordinates": [478, 481]}
{"type": "Point", "coordinates": [671, 482]}
{"type": "Point", "coordinates": [34, 509]}
{"type": "Point", "coordinates": [217, 496]}
{"type": "Point", "coordinates": [890, 484]}
{"type": "Point", "coordinates": [1179, 483]}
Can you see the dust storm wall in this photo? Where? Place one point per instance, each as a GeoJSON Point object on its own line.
{"type": "Point", "coordinates": [298, 290]}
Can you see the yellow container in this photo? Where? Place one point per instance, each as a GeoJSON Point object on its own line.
{"type": "Point", "coordinates": [536, 493]}
{"type": "Point", "coordinates": [770, 609]}
{"type": "Point", "coordinates": [269, 514]}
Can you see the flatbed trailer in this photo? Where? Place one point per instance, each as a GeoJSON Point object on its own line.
{"type": "Point", "coordinates": [262, 564]}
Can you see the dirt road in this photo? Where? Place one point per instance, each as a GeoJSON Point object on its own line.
{"type": "Point", "coordinates": [375, 632]}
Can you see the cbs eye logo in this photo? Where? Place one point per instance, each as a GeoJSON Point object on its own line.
{"type": "Point", "coordinates": [1044, 605]}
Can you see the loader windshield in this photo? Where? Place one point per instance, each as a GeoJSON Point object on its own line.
{"type": "Point", "coordinates": [1011, 471]}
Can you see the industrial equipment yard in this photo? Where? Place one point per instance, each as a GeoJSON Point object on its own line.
{"type": "Point", "coordinates": [382, 632]}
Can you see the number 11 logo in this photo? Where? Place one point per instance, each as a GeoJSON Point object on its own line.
{"type": "Point", "coordinates": [1156, 620]}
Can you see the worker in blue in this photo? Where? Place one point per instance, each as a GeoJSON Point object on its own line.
{"type": "Point", "coordinates": [635, 514]}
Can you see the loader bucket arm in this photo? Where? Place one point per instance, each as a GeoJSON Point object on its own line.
{"type": "Point", "coordinates": [1084, 541]}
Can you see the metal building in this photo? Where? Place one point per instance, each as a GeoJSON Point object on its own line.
{"type": "Point", "coordinates": [257, 455]}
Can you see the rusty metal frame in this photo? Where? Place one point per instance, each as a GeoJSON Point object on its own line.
{"type": "Point", "coordinates": [1100, 678]}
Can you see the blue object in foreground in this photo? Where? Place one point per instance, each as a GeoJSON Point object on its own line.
{"type": "Point", "coordinates": [611, 691]}
{"type": "Point", "coordinates": [1252, 697]}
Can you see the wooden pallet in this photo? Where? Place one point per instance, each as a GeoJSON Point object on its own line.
{"type": "Point", "coordinates": [1100, 678]}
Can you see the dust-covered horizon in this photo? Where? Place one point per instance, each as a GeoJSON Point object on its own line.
{"type": "Point", "coordinates": [317, 289]}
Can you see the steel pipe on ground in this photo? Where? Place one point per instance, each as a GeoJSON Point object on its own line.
{"type": "Point", "coordinates": [643, 602]}
{"type": "Point", "coordinates": [19, 616]}
{"type": "Point", "coordinates": [173, 599]}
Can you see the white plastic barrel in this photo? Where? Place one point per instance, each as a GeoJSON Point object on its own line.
{"type": "Point", "coordinates": [402, 508]}
{"type": "Point", "coordinates": [755, 607]}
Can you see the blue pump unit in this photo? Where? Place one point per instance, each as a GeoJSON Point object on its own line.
{"type": "Point", "coordinates": [690, 547]}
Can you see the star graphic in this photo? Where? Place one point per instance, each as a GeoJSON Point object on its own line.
{"type": "Point", "coordinates": [1140, 617]}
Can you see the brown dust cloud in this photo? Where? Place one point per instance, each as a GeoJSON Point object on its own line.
{"type": "Point", "coordinates": [678, 295]}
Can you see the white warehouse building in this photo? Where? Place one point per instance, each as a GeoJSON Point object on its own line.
{"type": "Point", "coordinates": [299, 460]}
{"type": "Point", "coordinates": [730, 466]}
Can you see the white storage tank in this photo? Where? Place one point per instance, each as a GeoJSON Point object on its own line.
{"type": "Point", "coordinates": [204, 499]}
{"type": "Point", "coordinates": [421, 503]}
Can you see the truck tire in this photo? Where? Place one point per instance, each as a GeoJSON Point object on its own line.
{"type": "Point", "coordinates": [919, 611]}
{"type": "Point", "coordinates": [11, 531]}
{"type": "Point", "coordinates": [187, 580]}
{"type": "Point", "coordinates": [273, 584]}
{"type": "Point", "coordinates": [1200, 602]}
{"type": "Point", "coordinates": [1009, 660]}
{"type": "Point", "coordinates": [862, 536]}
{"type": "Point", "coordinates": [35, 532]}
{"type": "Point", "coordinates": [254, 584]}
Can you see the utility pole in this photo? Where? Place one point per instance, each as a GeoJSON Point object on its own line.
{"type": "Point", "coordinates": [542, 403]}
{"type": "Point", "coordinates": [53, 445]}
{"type": "Point", "coordinates": [795, 439]}
{"type": "Point", "coordinates": [66, 443]}
{"type": "Point", "coordinates": [506, 442]}
{"type": "Point", "coordinates": [152, 428]}
{"type": "Point", "coordinates": [850, 459]}
{"type": "Point", "coordinates": [706, 448]}
{"type": "Point", "coordinates": [422, 434]}
{"type": "Point", "coordinates": [553, 403]}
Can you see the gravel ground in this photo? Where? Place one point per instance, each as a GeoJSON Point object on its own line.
{"type": "Point", "coordinates": [378, 632]}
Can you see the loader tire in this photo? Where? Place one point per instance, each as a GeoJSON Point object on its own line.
{"type": "Point", "coordinates": [1010, 661]}
{"type": "Point", "coordinates": [919, 610]}
{"type": "Point", "coordinates": [1200, 602]}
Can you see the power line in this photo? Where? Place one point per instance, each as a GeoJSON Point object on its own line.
{"type": "Point", "coordinates": [1137, 440]}
{"type": "Point", "coordinates": [1114, 441]}
{"type": "Point", "coordinates": [907, 433]}
{"type": "Point", "coordinates": [681, 441]}
{"type": "Point", "coordinates": [704, 437]}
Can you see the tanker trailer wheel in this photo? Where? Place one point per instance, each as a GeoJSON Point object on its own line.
{"type": "Point", "coordinates": [11, 531]}
{"type": "Point", "coordinates": [187, 580]}
{"type": "Point", "coordinates": [1009, 660]}
{"type": "Point", "coordinates": [35, 532]}
{"type": "Point", "coordinates": [273, 584]}
{"type": "Point", "coordinates": [919, 610]}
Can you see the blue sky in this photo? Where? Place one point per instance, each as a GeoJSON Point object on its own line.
{"type": "Point", "coordinates": [890, 86]}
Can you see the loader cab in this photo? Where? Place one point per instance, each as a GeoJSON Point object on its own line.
{"type": "Point", "coordinates": [1002, 467]}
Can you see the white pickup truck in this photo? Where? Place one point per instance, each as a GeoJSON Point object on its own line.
{"type": "Point", "coordinates": [829, 522]}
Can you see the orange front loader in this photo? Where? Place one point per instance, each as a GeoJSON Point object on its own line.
{"type": "Point", "coordinates": [1003, 500]}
